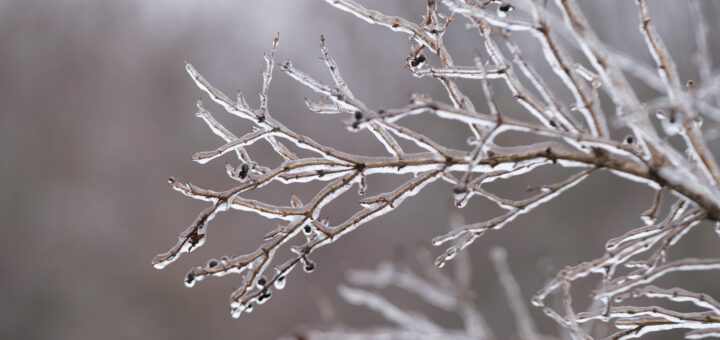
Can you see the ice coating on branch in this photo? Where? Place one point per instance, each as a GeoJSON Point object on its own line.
{"type": "Point", "coordinates": [676, 294]}
{"type": "Point", "coordinates": [583, 143]}
{"type": "Point", "coordinates": [703, 333]}
{"type": "Point", "coordinates": [190, 239]}
{"type": "Point", "coordinates": [467, 234]}
{"type": "Point", "coordinates": [632, 235]}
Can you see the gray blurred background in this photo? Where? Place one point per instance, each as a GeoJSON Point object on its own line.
{"type": "Point", "coordinates": [96, 111]}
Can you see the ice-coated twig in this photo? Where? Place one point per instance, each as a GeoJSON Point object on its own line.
{"type": "Point", "coordinates": [573, 133]}
{"type": "Point", "coordinates": [622, 284]}
{"type": "Point", "coordinates": [668, 73]}
{"type": "Point", "coordinates": [621, 250]}
{"type": "Point", "coordinates": [638, 321]}
{"type": "Point", "coordinates": [467, 234]}
{"type": "Point", "coordinates": [703, 333]}
{"type": "Point", "coordinates": [675, 294]}
{"type": "Point", "coordinates": [650, 215]}
{"type": "Point", "coordinates": [492, 72]}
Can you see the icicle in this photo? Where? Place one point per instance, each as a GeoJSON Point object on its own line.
{"type": "Point", "coordinates": [362, 186]}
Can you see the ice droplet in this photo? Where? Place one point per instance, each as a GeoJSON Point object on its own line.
{"type": "Point", "coordinates": [504, 9]}
{"type": "Point", "coordinates": [309, 266]}
{"type": "Point", "coordinates": [280, 282]}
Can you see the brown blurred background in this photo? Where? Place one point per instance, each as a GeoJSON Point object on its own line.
{"type": "Point", "coordinates": [96, 111]}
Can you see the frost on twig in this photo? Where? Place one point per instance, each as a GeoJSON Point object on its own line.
{"type": "Point", "coordinates": [574, 134]}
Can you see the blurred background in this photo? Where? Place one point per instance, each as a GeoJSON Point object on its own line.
{"type": "Point", "coordinates": [96, 111]}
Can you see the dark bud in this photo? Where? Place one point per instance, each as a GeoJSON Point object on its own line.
{"type": "Point", "coordinates": [506, 8]}
{"type": "Point", "coordinates": [307, 230]}
{"type": "Point", "coordinates": [415, 62]}
{"type": "Point", "coordinates": [212, 263]}
{"type": "Point", "coordinates": [690, 84]}
{"type": "Point", "coordinates": [358, 115]}
{"type": "Point", "coordinates": [261, 282]}
{"type": "Point", "coordinates": [190, 278]}
{"type": "Point", "coordinates": [309, 266]}
{"type": "Point", "coordinates": [243, 171]}
{"type": "Point", "coordinates": [630, 139]}
{"type": "Point", "coordinates": [381, 112]}
{"type": "Point", "coordinates": [264, 296]}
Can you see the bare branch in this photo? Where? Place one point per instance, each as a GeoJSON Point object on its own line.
{"type": "Point", "coordinates": [573, 134]}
